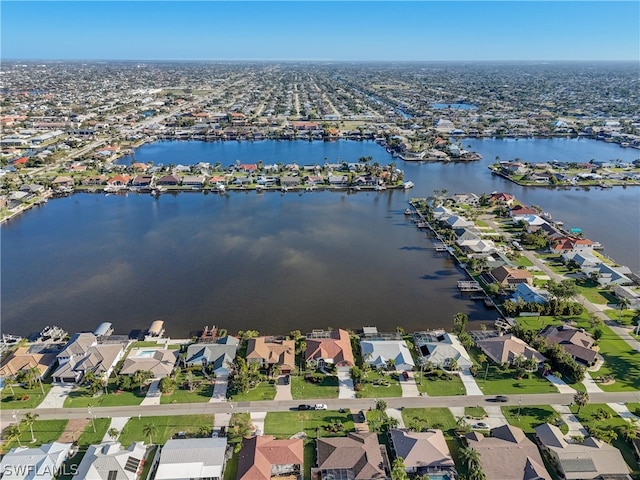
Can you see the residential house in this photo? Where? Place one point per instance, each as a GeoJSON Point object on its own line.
{"type": "Point", "coordinates": [219, 356]}
{"type": "Point", "coordinates": [193, 180]}
{"type": "Point", "coordinates": [530, 294]}
{"type": "Point", "coordinates": [457, 221]}
{"type": "Point", "coordinates": [119, 180]}
{"type": "Point", "coordinates": [578, 343]}
{"type": "Point", "coordinates": [587, 262]}
{"type": "Point", "coordinates": [287, 181]}
{"type": "Point", "coordinates": [25, 358]}
{"type": "Point", "coordinates": [424, 453]}
{"type": "Point", "coordinates": [477, 246]}
{"type": "Point", "coordinates": [608, 275]}
{"type": "Point", "coordinates": [520, 211]}
{"type": "Point", "coordinates": [441, 212]}
{"type": "Point", "coordinates": [630, 295]}
{"type": "Point", "coordinates": [589, 459]}
{"type": "Point", "coordinates": [62, 181]}
{"type": "Point", "coordinates": [571, 245]}
{"type": "Point", "coordinates": [169, 180]}
{"type": "Point", "coordinates": [95, 180]}
{"type": "Point", "coordinates": [338, 180]}
{"type": "Point", "coordinates": [269, 351]}
{"type": "Point", "coordinates": [142, 180]}
{"type": "Point", "coordinates": [502, 198]}
{"type": "Point", "coordinates": [108, 461]}
{"type": "Point", "coordinates": [41, 463]}
{"type": "Point", "coordinates": [159, 362]}
{"type": "Point", "coordinates": [441, 349]}
{"type": "Point", "coordinates": [83, 354]}
{"type": "Point", "coordinates": [381, 353]}
{"type": "Point", "coordinates": [263, 457]}
{"type": "Point", "coordinates": [509, 348]}
{"type": "Point", "coordinates": [508, 454]}
{"type": "Point", "coordinates": [358, 456]}
{"type": "Point", "coordinates": [510, 277]}
{"type": "Point", "coordinates": [192, 459]}
{"type": "Point", "coordinates": [329, 347]}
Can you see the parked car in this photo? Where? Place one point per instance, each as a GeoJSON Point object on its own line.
{"type": "Point", "coordinates": [287, 379]}
{"type": "Point", "coordinates": [304, 407]}
{"type": "Point", "coordinates": [361, 417]}
{"type": "Point", "coordinates": [501, 398]}
{"type": "Point", "coordinates": [320, 406]}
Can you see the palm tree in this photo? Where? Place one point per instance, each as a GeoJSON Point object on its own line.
{"type": "Point", "coordinates": [470, 456]}
{"type": "Point", "coordinates": [29, 419]}
{"type": "Point", "coordinates": [623, 303]}
{"type": "Point", "coordinates": [482, 358]}
{"type": "Point", "coordinates": [581, 399]}
{"type": "Point", "coordinates": [150, 430]}
{"type": "Point", "coordinates": [13, 432]}
{"type": "Point", "coordinates": [113, 433]}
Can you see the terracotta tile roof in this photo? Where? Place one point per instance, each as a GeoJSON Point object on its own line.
{"type": "Point", "coordinates": [271, 351]}
{"type": "Point", "coordinates": [21, 359]}
{"type": "Point", "coordinates": [336, 348]}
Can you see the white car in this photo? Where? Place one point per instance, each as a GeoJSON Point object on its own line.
{"type": "Point", "coordinates": [320, 406]}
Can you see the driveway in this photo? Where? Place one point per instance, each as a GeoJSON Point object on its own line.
{"type": "Point", "coordinates": [622, 410]}
{"type": "Point", "coordinates": [118, 423]}
{"type": "Point", "coordinates": [469, 382]}
{"type": "Point", "coordinates": [283, 390]}
{"type": "Point", "coordinates": [590, 384]}
{"type": "Point", "coordinates": [494, 417]}
{"type": "Point", "coordinates": [220, 389]}
{"type": "Point", "coordinates": [257, 418]}
{"type": "Point", "coordinates": [575, 427]}
{"type": "Point", "coordinates": [153, 394]}
{"type": "Point", "coordinates": [559, 384]}
{"type": "Point", "coordinates": [56, 396]}
{"type": "Point", "coordinates": [397, 414]}
{"type": "Point", "coordinates": [345, 386]}
{"type": "Point", "coordinates": [409, 387]}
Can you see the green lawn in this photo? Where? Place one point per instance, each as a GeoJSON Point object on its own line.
{"type": "Point", "coordinates": [587, 417]}
{"type": "Point", "coordinates": [302, 390]}
{"type": "Point", "coordinates": [263, 391]}
{"type": "Point", "coordinates": [9, 401]}
{"type": "Point", "coordinates": [524, 262]}
{"type": "Point", "coordinates": [532, 416]}
{"type": "Point", "coordinates": [285, 424]}
{"type": "Point", "coordinates": [389, 387]}
{"type": "Point", "coordinates": [81, 397]}
{"type": "Point", "coordinates": [88, 437]}
{"type": "Point", "coordinates": [625, 319]}
{"type": "Point", "coordinates": [44, 431]}
{"type": "Point", "coordinates": [634, 408]}
{"type": "Point", "coordinates": [231, 468]}
{"type": "Point", "coordinates": [200, 394]}
{"type": "Point", "coordinates": [596, 295]}
{"type": "Point", "coordinates": [475, 412]}
{"type": "Point", "coordinates": [166, 427]}
{"type": "Point", "coordinates": [441, 387]}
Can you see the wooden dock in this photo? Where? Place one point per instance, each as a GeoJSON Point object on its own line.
{"type": "Point", "coordinates": [469, 286]}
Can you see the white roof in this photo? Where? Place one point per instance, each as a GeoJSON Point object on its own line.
{"type": "Point", "coordinates": [378, 352]}
{"type": "Point", "coordinates": [192, 458]}
{"type": "Point", "coordinates": [40, 463]}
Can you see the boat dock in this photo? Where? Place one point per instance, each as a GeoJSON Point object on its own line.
{"type": "Point", "coordinates": [469, 286]}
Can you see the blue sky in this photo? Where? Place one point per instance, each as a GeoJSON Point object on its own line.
{"type": "Point", "coordinates": [318, 30]}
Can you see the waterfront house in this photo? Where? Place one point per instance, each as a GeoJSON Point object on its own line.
{"type": "Point", "coordinates": [193, 180]}
{"type": "Point", "coordinates": [477, 246]}
{"type": "Point", "coordinates": [159, 362]}
{"type": "Point", "coordinates": [508, 349]}
{"type": "Point", "coordinates": [441, 349]}
{"type": "Point", "coordinates": [192, 458]}
{"type": "Point", "coordinates": [119, 180]}
{"type": "Point", "coordinates": [108, 461]}
{"type": "Point", "coordinates": [287, 181]}
{"type": "Point", "coordinates": [27, 358]}
{"type": "Point", "coordinates": [62, 181]}
{"type": "Point", "coordinates": [587, 261]}
{"type": "Point", "coordinates": [424, 453]}
{"type": "Point", "coordinates": [169, 180]}
{"type": "Point", "coordinates": [510, 277]}
{"type": "Point", "coordinates": [329, 347]}
{"type": "Point", "coordinates": [358, 456]}
{"type": "Point", "coordinates": [269, 351]}
{"type": "Point", "coordinates": [530, 294]}
{"type": "Point", "coordinates": [95, 180]}
{"type": "Point", "coordinates": [314, 179]}
{"type": "Point", "coordinates": [41, 463]}
{"type": "Point", "coordinates": [571, 245]}
{"type": "Point", "coordinates": [630, 295]}
{"type": "Point", "coordinates": [589, 459]}
{"type": "Point", "coordinates": [508, 454]}
{"type": "Point", "coordinates": [382, 353]}
{"type": "Point", "coordinates": [520, 211]}
{"type": "Point", "coordinates": [218, 356]}
{"type": "Point", "coordinates": [576, 342]}
{"type": "Point", "coordinates": [502, 198]}
{"type": "Point", "coordinates": [83, 354]}
{"type": "Point", "coordinates": [142, 180]}
{"type": "Point", "coordinates": [608, 275]}
{"type": "Point", "coordinates": [457, 221]}
{"type": "Point", "coordinates": [263, 458]}
{"type": "Point", "coordinates": [338, 180]}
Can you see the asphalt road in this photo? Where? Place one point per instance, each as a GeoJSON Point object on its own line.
{"type": "Point", "coordinates": [333, 404]}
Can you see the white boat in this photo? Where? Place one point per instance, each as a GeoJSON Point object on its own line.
{"type": "Point", "coordinates": [379, 188]}
{"type": "Point", "coordinates": [408, 185]}
{"type": "Point", "coordinates": [407, 211]}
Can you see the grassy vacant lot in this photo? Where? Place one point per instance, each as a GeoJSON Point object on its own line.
{"type": "Point", "coordinates": [81, 397]}
{"type": "Point", "coordinates": [263, 391]}
{"type": "Point", "coordinates": [166, 427]}
{"type": "Point", "coordinates": [445, 386]}
{"type": "Point", "coordinates": [44, 431]}
{"type": "Point", "coordinates": [301, 389]}
{"type": "Point", "coordinates": [531, 416]}
{"type": "Point", "coordinates": [588, 416]}
{"type": "Point", "coordinates": [88, 437]}
{"type": "Point", "coordinates": [524, 262]}
{"type": "Point", "coordinates": [9, 401]}
{"type": "Point", "coordinates": [369, 390]}
{"type": "Point", "coordinates": [202, 393]}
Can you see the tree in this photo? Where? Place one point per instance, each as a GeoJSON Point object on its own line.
{"type": "Point", "coordinates": [113, 433]}
{"type": "Point", "coordinates": [470, 456]}
{"type": "Point", "coordinates": [623, 303]}
{"type": "Point", "coordinates": [398, 470]}
{"type": "Point", "coordinates": [581, 399]}
{"type": "Point", "coordinates": [167, 385]}
{"type": "Point", "coordinates": [460, 322]}
{"type": "Point", "coordinates": [381, 405]}
{"type": "Point", "coordinates": [149, 430]}
{"type": "Point", "coordinates": [13, 432]}
{"type": "Point", "coordinates": [29, 419]}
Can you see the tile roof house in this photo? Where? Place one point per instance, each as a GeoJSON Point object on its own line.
{"type": "Point", "coordinates": [333, 347]}
{"type": "Point", "coordinates": [357, 456]}
{"type": "Point", "coordinates": [42, 463]}
{"type": "Point", "coordinates": [83, 354]}
{"type": "Point", "coordinates": [159, 361]}
{"type": "Point", "coordinates": [578, 343]}
{"type": "Point", "coordinates": [263, 457]}
{"type": "Point", "coordinates": [192, 458]}
{"type": "Point", "coordinates": [508, 454]}
{"type": "Point", "coordinates": [507, 276]}
{"type": "Point", "coordinates": [520, 211]}
{"type": "Point", "coordinates": [507, 348]}
{"type": "Point", "coordinates": [441, 348]}
{"type": "Point", "coordinates": [270, 351]}
{"type": "Point", "coordinates": [571, 245]}
{"type": "Point", "coordinates": [591, 459]}
{"type": "Point", "coordinates": [25, 358]}
{"type": "Point", "coordinates": [108, 461]}
{"type": "Point", "coordinates": [377, 353]}
{"type": "Point", "coordinates": [503, 198]}
{"type": "Point", "coordinates": [221, 354]}
{"type": "Point", "coordinates": [424, 453]}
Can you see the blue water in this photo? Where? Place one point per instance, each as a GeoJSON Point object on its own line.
{"type": "Point", "coordinates": [454, 106]}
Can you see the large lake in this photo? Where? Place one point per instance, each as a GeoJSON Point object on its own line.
{"type": "Point", "coordinates": [276, 262]}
